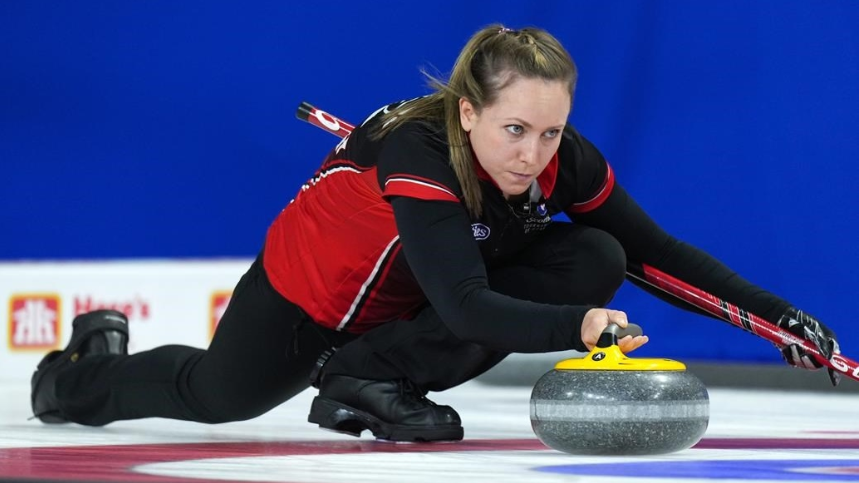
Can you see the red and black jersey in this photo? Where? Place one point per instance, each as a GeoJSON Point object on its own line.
{"type": "Point", "coordinates": [337, 249]}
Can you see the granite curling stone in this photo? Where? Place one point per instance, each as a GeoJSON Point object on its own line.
{"type": "Point", "coordinates": [609, 404]}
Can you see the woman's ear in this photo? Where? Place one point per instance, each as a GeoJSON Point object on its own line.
{"type": "Point", "coordinates": [467, 114]}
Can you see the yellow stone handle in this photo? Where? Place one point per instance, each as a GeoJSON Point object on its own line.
{"type": "Point", "coordinates": [607, 356]}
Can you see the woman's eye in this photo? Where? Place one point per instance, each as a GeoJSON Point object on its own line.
{"type": "Point", "coordinates": [514, 129]}
{"type": "Point", "coordinates": [552, 134]}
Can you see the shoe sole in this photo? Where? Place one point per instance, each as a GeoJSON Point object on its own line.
{"type": "Point", "coordinates": [51, 418]}
{"type": "Point", "coordinates": [332, 415]}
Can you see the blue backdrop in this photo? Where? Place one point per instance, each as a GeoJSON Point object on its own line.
{"type": "Point", "coordinates": [165, 129]}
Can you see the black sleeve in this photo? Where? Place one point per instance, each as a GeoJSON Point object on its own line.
{"type": "Point", "coordinates": [439, 247]}
{"type": "Point", "coordinates": [646, 242]}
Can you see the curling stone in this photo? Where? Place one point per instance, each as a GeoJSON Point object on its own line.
{"type": "Point", "coordinates": [609, 404]}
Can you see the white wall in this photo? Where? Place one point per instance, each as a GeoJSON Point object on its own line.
{"type": "Point", "coordinates": [167, 302]}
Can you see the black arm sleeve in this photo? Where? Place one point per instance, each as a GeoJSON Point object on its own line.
{"type": "Point", "coordinates": [646, 242]}
{"type": "Point", "coordinates": [444, 258]}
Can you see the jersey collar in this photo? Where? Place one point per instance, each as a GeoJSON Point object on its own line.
{"type": "Point", "coordinates": [545, 180]}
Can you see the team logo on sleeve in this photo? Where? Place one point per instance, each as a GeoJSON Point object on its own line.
{"type": "Point", "coordinates": [480, 231]}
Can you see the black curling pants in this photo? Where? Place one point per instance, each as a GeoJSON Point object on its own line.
{"type": "Point", "coordinates": [265, 347]}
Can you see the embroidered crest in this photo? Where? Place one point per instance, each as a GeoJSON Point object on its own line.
{"type": "Point", "coordinates": [480, 231]}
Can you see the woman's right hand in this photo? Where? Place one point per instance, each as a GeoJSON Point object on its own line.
{"type": "Point", "coordinates": [596, 320]}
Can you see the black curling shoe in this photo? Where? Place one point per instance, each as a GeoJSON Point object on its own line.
{"type": "Point", "coordinates": [391, 410]}
{"type": "Point", "coordinates": [99, 332]}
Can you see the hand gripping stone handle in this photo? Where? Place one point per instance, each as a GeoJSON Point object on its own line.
{"type": "Point", "coordinates": [613, 332]}
{"type": "Point", "coordinates": [646, 274]}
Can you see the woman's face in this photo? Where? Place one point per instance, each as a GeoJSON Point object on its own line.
{"type": "Point", "coordinates": [515, 137]}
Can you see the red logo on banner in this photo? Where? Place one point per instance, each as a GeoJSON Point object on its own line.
{"type": "Point", "coordinates": [134, 307]}
{"type": "Point", "coordinates": [34, 322]}
{"type": "Point", "coordinates": [217, 307]}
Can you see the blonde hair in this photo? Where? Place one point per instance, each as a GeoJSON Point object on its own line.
{"type": "Point", "coordinates": [494, 57]}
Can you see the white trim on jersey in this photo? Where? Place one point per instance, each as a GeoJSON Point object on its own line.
{"type": "Point", "coordinates": [312, 182]}
{"type": "Point", "coordinates": [360, 296]}
{"type": "Point", "coordinates": [421, 183]}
